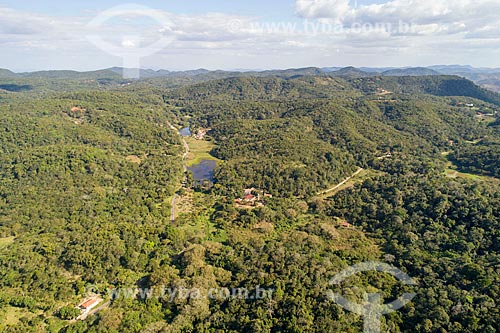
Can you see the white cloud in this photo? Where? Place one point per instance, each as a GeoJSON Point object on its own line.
{"type": "Point", "coordinates": [443, 16]}
{"type": "Point", "coordinates": [335, 9]}
{"type": "Point", "coordinates": [398, 32]}
{"type": "Point", "coordinates": [15, 23]}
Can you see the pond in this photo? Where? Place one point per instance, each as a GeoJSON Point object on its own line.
{"type": "Point", "coordinates": [204, 170]}
{"type": "Point", "coordinates": [185, 131]}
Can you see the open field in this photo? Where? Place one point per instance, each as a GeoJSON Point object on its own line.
{"type": "Point", "coordinates": [451, 173]}
{"type": "Point", "coordinates": [11, 316]}
{"type": "Point", "coordinates": [184, 203]}
{"type": "Point", "coordinates": [199, 150]}
{"type": "Point", "coordinates": [6, 241]}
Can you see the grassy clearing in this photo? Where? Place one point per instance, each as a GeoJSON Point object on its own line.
{"type": "Point", "coordinates": [184, 203]}
{"type": "Point", "coordinates": [199, 150]}
{"type": "Point", "coordinates": [193, 221]}
{"type": "Point", "coordinates": [475, 142]}
{"type": "Point", "coordinates": [201, 227]}
{"type": "Point", "coordinates": [451, 173]}
{"type": "Point", "coordinates": [10, 316]}
{"type": "Point", "coordinates": [133, 159]}
{"type": "Point", "coordinates": [487, 119]}
{"type": "Point", "coordinates": [4, 242]}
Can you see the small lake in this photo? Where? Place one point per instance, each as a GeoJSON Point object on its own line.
{"type": "Point", "coordinates": [185, 131]}
{"type": "Point", "coordinates": [204, 170]}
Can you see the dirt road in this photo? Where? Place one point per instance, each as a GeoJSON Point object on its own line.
{"type": "Point", "coordinates": [342, 183]}
{"type": "Point", "coordinates": [184, 156]}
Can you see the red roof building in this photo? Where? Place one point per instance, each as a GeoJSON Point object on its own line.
{"type": "Point", "coordinates": [89, 304]}
{"type": "Point", "coordinates": [249, 197]}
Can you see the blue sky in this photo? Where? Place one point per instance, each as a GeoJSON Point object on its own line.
{"type": "Point", "coordinates": [270, 8]}
{"type": "Point", "coordinates": [257, 34]}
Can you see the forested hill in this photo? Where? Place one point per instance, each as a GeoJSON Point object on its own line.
{"type": "Point", "coordinates": [6, 73]}
{"type": "Point", "coordinates": [272, 88]}
{"type": "Point", "coordinates": [84, 182]}
{"type": "Point", "coordinates": [65, 80]}
{"type": "Point", "coordinates": [419, 71]}
{"type": "Point", "coordinates": [364, 117]}
{"type": "Point", "coordinates": [343, 170]}
{"type": "Point", "coordinates": [325, 86]}
{"type": "Point", "coordinates": [432, 85]}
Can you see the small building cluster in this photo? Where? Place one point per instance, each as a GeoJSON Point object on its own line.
{"type": "Point", "coordinates": [77, 109]}
{"type": "Point", "coordinates": [381, 91]}
{"type": "Point", "coordinates": [87, 305]}
{"type": "Point", "coordinates": [482, 115]}
{"type": "Point", "coordinates": [345, 224]}
{"type": "Point", "coordinates": [469, 105]}
{"type": "Point", "coordinates": [387, 155]}
{"type": "Point", "coordinates": [253, 197]}
{"type": "Point", "coordinates": [202, 132]}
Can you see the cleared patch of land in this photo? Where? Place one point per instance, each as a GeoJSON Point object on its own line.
{"type": "Point", "coordinates": [475, 142]}
{"type": "Point", "coordinates": [336, 187]}
{"type": "Point", "coordinates": [193, 220]}
{"type": "Point", "coordinates": [184, 203]}
{"type": "Point", "coordinates": [358, 177]}
{"type": "Point", "coordinates": [199, 150]}
{"type": "Point", "coordinates": [451, 173]}
{"type": "Point", "coordinates": [487, 118]}
{"type": "Point", "coordinates": [11, 316]}
{"type": "Point", "coordinates": [6, 241]}
{"type": "Point", "coordinates": [133, 159]}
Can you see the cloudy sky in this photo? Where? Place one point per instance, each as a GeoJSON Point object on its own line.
{"type": "Point", "coordinates": [258, 34]}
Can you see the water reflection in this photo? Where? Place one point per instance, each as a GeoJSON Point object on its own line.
{"type": "Point", "coordinates": [185, 131]}
{"type": "Point", "coordinates": [204, 170]}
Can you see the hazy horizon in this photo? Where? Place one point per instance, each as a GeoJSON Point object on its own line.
{"type": "Point", "coordinates": [243, 69]}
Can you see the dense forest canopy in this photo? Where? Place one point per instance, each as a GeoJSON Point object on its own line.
{"type": "Point", "coordinates": [354, 168]}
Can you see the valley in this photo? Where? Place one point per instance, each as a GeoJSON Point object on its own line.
{"type": "Point", "coordinates": [303, 174]}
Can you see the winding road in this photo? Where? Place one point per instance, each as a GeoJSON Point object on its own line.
{"type": "Point", "coordinates": [184, 156]}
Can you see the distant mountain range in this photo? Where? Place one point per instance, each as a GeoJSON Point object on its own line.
{"type": "Point", "coordinates": [418, 71]}
{"type": "Point", "coordinates": [486, 77]}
